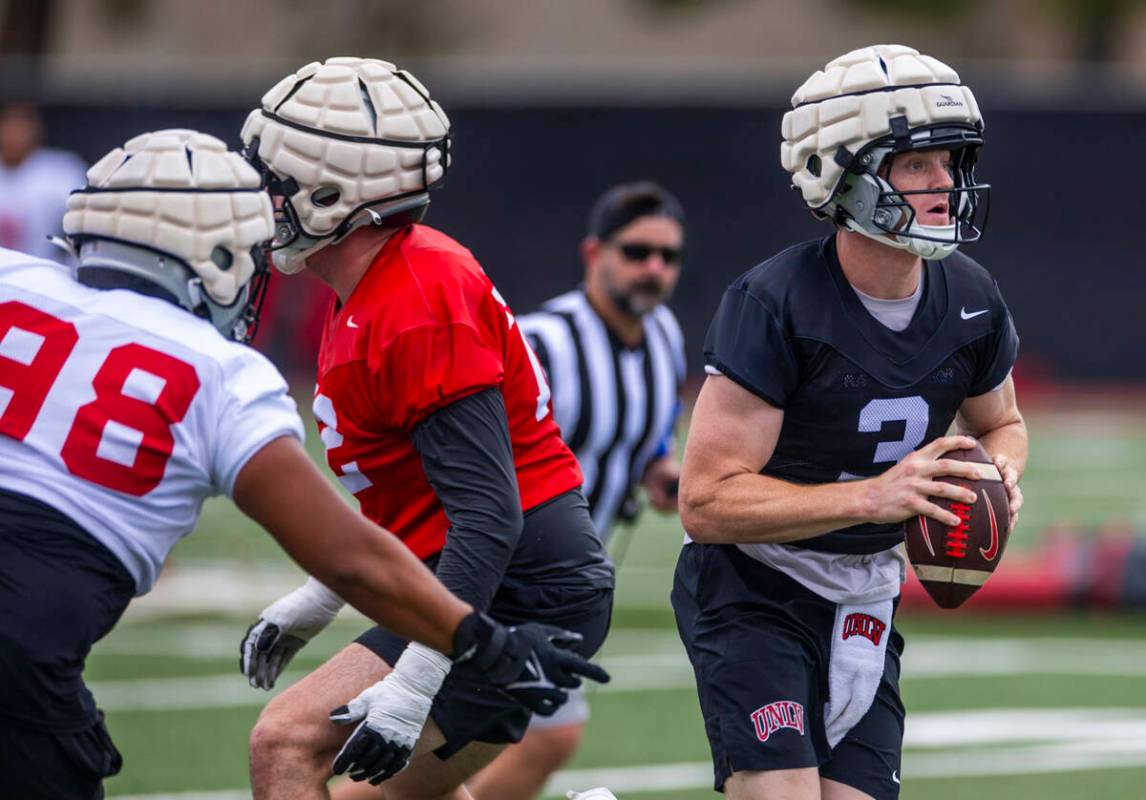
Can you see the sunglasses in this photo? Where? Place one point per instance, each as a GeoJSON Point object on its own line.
{"type": "Point", "coordinates": [639, 251]}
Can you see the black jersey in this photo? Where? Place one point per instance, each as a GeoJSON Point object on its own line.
{"type": "Point", "coordinates": [857, 396]}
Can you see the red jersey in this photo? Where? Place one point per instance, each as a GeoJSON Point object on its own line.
{"type": "Point", "coordinates": [424, 328]}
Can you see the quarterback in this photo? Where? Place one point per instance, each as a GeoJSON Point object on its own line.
{"type": "Point", "coordinates": [435, 415]}
{"type": "Point", "coordinates": [835, 369]}
{"type": "Point", "coordinates": [126, 398]}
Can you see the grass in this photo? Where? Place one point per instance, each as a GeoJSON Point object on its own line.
{"type": "Point", "coordinates": [1080, 471]}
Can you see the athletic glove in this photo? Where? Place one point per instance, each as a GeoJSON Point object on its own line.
{"type": "Point", "coordinates": [283, 628]}
{"type": "Point", "coordinates": [531, 662]}
{"type": "Point", "coordinates": [390, 714]}
{"type": "Point", "coordinates": [527, 661]}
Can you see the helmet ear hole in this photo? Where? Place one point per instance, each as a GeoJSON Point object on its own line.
{"type": "Point", "coordinates": [325, 196]}
{"type": "Point", "coordinates": [222, 257]}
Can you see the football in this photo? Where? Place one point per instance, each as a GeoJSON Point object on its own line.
{"type": "Point", "coordinates": [953, 562]}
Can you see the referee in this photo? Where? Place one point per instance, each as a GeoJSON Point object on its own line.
{"type": "Point", "coordinates": [614, 356]}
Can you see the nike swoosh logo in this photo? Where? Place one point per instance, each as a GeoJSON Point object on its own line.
{"type": "Point", "coordinates": [963, 313]}
{"type": "Point", "coordinates": [350, 323]}
{"type": "Point", "coordinates": [895, 776]}
{"type": "Point", "coordinates": [926, 534]}
{"type": "Point", "coordinates": [993, 549]}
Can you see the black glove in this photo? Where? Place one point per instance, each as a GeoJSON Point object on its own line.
{"type": "Point", "coordinates": [265, 652]}
{"type": "Point", "coordinates": [391, 714]}
{"type": "Point", "coordinates": [531, 662]}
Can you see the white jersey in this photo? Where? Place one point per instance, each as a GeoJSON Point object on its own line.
{"type": "Point", "coordinates": [125, 412]}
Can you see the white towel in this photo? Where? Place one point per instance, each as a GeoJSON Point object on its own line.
{"type": "Point", "coordinates": [859, 644]}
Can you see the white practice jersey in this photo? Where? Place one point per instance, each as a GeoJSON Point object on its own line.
{"type": "Point", "coordinates": [125, 412]}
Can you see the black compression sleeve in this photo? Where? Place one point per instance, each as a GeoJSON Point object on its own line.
{"type": "Point", "coordinates": [468, 459]}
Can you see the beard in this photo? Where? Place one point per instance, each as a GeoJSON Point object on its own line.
{"type": "Point", "coordinates": [640, 298]}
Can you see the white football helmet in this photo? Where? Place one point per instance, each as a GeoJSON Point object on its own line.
{"type": "Point", "coordinates": [175, 214]}
{"type": "Point", "coordinates": [847, 119]}
{"type": "Point", "coordinates": [345, 143]}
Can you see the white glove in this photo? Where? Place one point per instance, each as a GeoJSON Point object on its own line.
{"type": "Point", "coordinates": [283, 628]}
{"type": "Point", "coordinates": [393, 712]}
{"type": "Point", "coordinates": [600, 793]}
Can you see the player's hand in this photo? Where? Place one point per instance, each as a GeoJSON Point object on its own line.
{"type": "Point", "coordinates": [390, 715]}
{"type": "Point", "coordinates": [284, 627]}
{"type": "Point", "coordinates": [662, 484]}
{"type": "Point", "coordinates": [265, 652]}
{"type": "Point", "coordinates": [1011, 483]}
{"type": "Point", "coordinates": [531, 662]}
{"type": "Point", "coordinates": [903, 490]}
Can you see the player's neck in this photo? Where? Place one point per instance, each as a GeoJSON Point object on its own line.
{"type": "Point", "coordinates": [341, 266]}
{"type": "Point", "coordinates": [628, 329]}
{"type": "Point", "coordinates": [877, 270]}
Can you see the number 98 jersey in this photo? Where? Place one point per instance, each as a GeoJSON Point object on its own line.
{"type": "Point", "coordinates": [423, 328]}
{"type": "Point", "coordinates": [857, 396]}
{"type": "Point", "coordinates": [123, 411]}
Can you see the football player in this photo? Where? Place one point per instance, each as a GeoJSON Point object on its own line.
{"type": "Point", "coordinates": [435, 415]}
{"type": "Point", "coordinates": [618, 329]}
{"type": "Point", "coordinates": [835, 369]}
{"type": "Point", "coordinates": [124, 402]}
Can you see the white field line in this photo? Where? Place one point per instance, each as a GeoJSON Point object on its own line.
{"type": "Point", "coordinates": [659, 671]}
{"type": "Point", "coordinates": [1073, 757]}
{"type": "Point", "coordinates": [1091, 751]}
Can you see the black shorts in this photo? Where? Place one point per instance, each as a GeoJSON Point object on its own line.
{"type": "Point", "coordinates": [60, 591]}
{"type": "Point", "coordinates": [759, 643]}
{"type": "Point", "coordinates": [470, 709]}
{"type": "Point", "coordinates": [35, 765]}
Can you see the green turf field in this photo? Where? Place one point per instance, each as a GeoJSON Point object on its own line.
{"type": "Point", "coordinates": [999, 707]}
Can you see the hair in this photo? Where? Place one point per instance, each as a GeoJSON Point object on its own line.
{"type": "Point", "coordinates": [627, 202]}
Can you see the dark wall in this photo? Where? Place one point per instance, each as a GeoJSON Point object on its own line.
{"type": "Point", "coordinates": [1062, 239]}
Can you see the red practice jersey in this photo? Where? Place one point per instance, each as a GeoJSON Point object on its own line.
{"type": "Point", "coordinates": [424, 328]}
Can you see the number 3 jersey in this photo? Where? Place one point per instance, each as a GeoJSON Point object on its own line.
{"type": "Point", "coordinates": [858, 396]}
{"type": "Point", "coordinates": [124, 411]}
{"type": "Point", "coordinates": [425, 327]}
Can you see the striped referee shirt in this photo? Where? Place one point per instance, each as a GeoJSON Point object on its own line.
{"type": "Point", "coordinates": [616, 406]}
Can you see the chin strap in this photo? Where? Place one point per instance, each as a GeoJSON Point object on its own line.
{"type": "Point", "coordinates": [290, 260]}
{"type": "Point", "coordinates": [924, 248]}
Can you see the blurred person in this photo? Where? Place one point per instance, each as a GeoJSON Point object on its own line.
{"type": "Point", "coordinates": [34, 183]}
{"type": "Point", "coordinates": [834, 371]}
{"type": "Point", "coordinates": [127, 399]}
{"type": "Point", "coordinates": [614, 356]}
{"type": "Point", "coordinates": [435, 415]}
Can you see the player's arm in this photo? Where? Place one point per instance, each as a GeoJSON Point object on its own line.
{"type": "Point", "coordinates": [725, 499]}
{"type": "Point", "coordinates": [994, 419]}
{"type": "Point", "coordinates": [661, 478]}
{"type": "Point", "coordinates": [662, 482]}
{"type": "Point", "coordinates": [467, 456]}
{"type": "Point", "coordinates": [282, 490]}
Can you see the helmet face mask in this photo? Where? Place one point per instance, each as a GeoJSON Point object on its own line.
{"type": "Point", "coordinates": [247, 324]}
{"type": "Point", "coordinates": [868, 203]}
{"type": "Point", "coordinates": [333, 162]}
{"type": "Point", "coordinates": [850, 120]}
